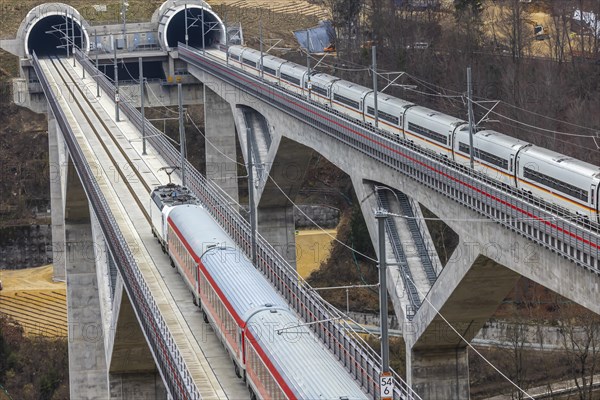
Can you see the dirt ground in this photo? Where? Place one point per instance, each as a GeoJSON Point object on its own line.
{"type": "Point", "coordinates": [31, 298]}
{"type": "Point", "coordinates": [312, 248]}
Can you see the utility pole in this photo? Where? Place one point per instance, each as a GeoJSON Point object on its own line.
{"type": "Point", "coordinates": [381, 216]}
{"type": "Point", "coordinates": [251, 204]}
{"type": "Point", "coordinates": [262, 71]}
{"type": "Point", "coordinates": [226, 39]}
{"type": "Point", "coordinates": [186, 26]}
{"type": "Point", "coordinates": [374, 67]}
{"type": "Point", "coordinates": [97, 69]}
{"type": "Point", "coordinates": [141, 64]}
{"type": "Point", "coordinates": [67, 32]}
{"type": "Point", "coordinates": [471, 116]}
{"type": "Point", "coordinates": [124, 6]}
{"type": "Point", "coordinates": [116, 82]}
{"type": "Point", "coordinates": [73, 38]}
{"type": "Point", "coordinates": [386, 380]}
{"type": "Point", "coordinates": [308, 84]}
{"type": "Point", "coordinates": [182, 145]}
{"type": "Point", "coordinates": [203, 42]}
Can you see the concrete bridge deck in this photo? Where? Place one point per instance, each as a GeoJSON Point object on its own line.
{"type": "Point", "coordinates": [205, 358]}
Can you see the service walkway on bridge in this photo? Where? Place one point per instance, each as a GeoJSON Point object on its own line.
{"type": "Point", "coordinates": [91, 119]}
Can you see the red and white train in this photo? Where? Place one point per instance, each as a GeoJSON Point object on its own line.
{"type": "Point", "coordinates": [277, 356]}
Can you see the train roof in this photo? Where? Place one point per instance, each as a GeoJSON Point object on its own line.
{"type": "Point", "coordinates": [563, 161]}
{"type": "Point", "coordinates": [251, 54]}
{"type": "Point", "coordinates": [172, 195]}
{"type": "Point", "coordinates": [236, 49]}
{"type": "Point", "coordinates": [500, 139]}
{"type": "Point", "coordinates": [293, 69]}
{"type": "Point", "coordinates": [433, 114]}
{"type": "Point", "coordinates": [242, 284]}
{"type": "Point", "coordinates": [308, 367]}
{"type": "Point", "coordinates": [352, 87]}
{"type": "Point", "coordinates": [269, 59]}
{"type": "Point", "coordinates": [323, 78]}
{"type": "Point", "coordinates": [384, 98]}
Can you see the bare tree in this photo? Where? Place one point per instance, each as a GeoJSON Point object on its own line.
{"type": "Point", "coordinates": [580, 332]}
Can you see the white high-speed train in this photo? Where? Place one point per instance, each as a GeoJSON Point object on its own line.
{"type": "Point", "coordinates": [565, 181]}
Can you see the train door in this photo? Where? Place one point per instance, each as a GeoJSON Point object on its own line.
{"type": "Point", "coordinates": [595, 192]}
{"type": "Point", "coordinates": [512, 168]}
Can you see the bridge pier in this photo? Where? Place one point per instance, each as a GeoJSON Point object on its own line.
{"type": "Point", "coordinates": [87, 357]}
{"type": "Point", "coordinates": [57, 162]}
{"type": "Point", "coordinates": [276, 194]}
{"type": "Point", "coordinates": [221, 166]}
{"type": "Point", "coordinates": [437, 357]}
{"type": "Point", "coordinates": [132, 370]}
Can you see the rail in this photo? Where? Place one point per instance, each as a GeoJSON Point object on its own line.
{"type": "Point", "coordinates": [169, 361]}
{"type": "Point", "coordinates": [343, 341]}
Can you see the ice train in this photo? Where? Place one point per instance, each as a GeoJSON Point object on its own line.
{"type": "Point", "coordinates": [564, 181]}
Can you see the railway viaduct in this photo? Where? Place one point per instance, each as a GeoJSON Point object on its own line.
{"type": "Point", "coordinates": [491, 255]}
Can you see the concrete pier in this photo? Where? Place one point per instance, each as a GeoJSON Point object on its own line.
{"type": "Point", "coordinates": [88, 378]}
{"type": "Point", "coordinates": [221, 154]}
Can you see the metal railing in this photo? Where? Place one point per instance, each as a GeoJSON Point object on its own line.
{"type": "Point", "coordinates": [417, 233]}
{"type": "Point", "coordinates": [169, 360]}
{"type": "Point", "coordinates": [339, 336]}
{"type": "Point", "coordinates": [392, 233]}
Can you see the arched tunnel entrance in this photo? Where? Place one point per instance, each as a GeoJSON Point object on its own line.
{"type": "Point", "coordinates": [48, 36]}
{"type": "Point", "coordinates": [214, 30]}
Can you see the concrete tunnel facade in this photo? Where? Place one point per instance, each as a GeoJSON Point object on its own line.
{"type": "Point", "coordinates": [45, 28]}
{"type": "Point", "coordinates": [49, 27]}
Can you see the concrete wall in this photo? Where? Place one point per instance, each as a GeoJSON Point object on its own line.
{"type": "Point", "coordinates": [25, 246]}
{"type": "Point", "coordinates": [324, 216]}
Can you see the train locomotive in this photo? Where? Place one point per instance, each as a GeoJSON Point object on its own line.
{"type": "Point", "coordinates": [568, 183]}
{"type": "Point", "coordinates": [277, 356]}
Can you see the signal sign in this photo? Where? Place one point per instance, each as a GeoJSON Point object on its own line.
{"type": "Point", "coordinates": [386, 386]}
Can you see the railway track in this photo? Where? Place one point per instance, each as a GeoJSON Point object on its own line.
{"type": "Point", "coordinates": [106, 131]}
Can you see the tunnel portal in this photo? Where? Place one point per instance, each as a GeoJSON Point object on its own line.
{"type": "Point", "coordinates": [48, 36]}
{"type": "Point", "coordinates": [174, 31]}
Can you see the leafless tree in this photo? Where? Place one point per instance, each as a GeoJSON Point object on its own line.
{"type": "Point", "coordinates": [580, 332]}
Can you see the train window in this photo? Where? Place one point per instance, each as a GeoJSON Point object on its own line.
{"type": "Point", "coordinates": [318, 89]}
{"type": "Point", "coordinates": [556, 184]}
{"type": "Point", "coordinates": [290, 78]}
{"type": "Point", "coordinates": [346, 101]}
{"type": "Point", "coordinates": [270, 71]}
{"type": "Point", "coordinates": [384, 116]}
{"type": "Point", "coordinates": [234, 57]}
{"type": "Point", "coordinates": [427, 133]}
{"type": "Point", "coordinates": [484, 155]}
{"type": "Point", "coordinates": [249, 62]}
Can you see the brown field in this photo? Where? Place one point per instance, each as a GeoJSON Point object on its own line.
{"type": "Point", "coordinates": [312, 248]}
{"type": "Point", "coordinates": [31, 298]}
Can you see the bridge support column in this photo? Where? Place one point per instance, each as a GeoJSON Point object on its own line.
{"type": "Point", "coordinates": [133, 374]}
{"type": "Point", "coordinates": [56, 155]}
{"type": "Point", "coordinates": [276, 224]}
{"type": "Point", "coordinates": [440, 373]}
{"type": "Point", "coordinates": [467, 292]}
{"type": "Point", "coordinates": [221, 166]}
{"type": "Point", "coordinates": [88, 377]}
{"type": "Point", "coordinates": [277, 192]}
